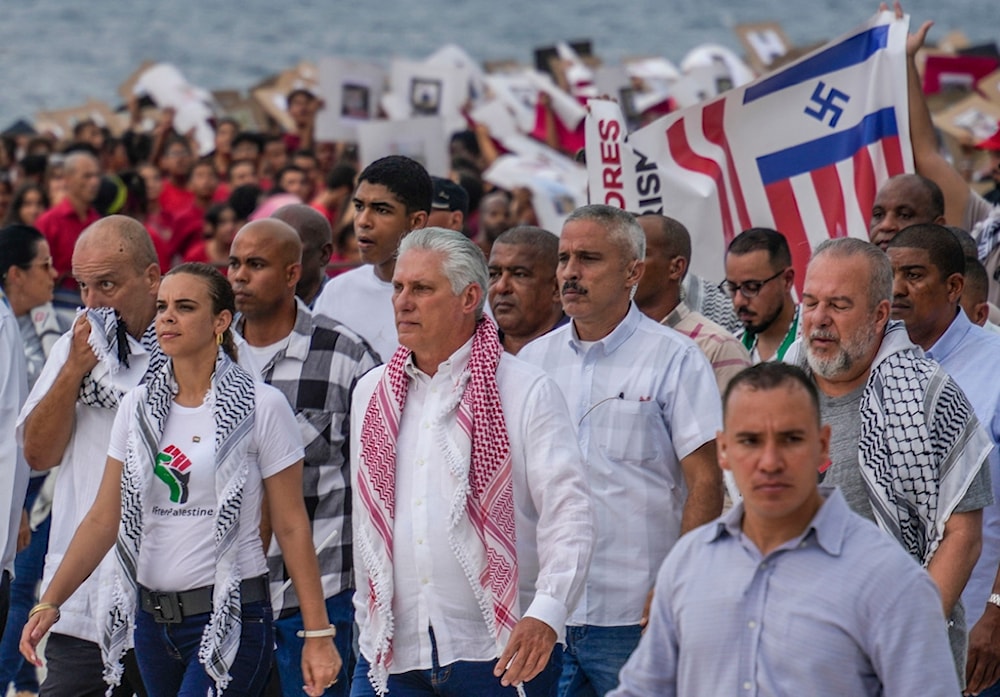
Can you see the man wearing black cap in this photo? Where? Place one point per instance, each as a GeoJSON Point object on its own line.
{"type": "Point", "coordinates": [450, 205]}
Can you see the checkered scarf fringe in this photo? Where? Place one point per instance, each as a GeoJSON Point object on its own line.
{"type": "Point", "coordinates": [104, 342]}
{"type": "Point", "coordinates": [987, 232]}
{"type": "Point", "coordinates": [921, 445]}
{"type": "Point", "coordinates": [487, 497]}
{"type": "Point", "coordinates": [231, 400]}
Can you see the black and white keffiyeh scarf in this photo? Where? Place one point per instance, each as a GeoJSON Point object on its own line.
{"type": "Point", "coordinates": [921, 444]}
{"type": "Point", "coordinates": [232, 401]}
{"type": "Point", "coordinates": [987, 234]}
{"type": "Point", "coordinates": [109, 341]}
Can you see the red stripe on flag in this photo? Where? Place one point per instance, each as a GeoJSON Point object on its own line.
{"type": "Point", "coordinates": [893, 155]}
{"type": "Point", "coordinates": [864, 182]}
{"type": "Point", "coordinates": [680, 151]}
{"type": "Point", "coordinates": [788, 221]}
{"type": "Point", "coordinates": [713, 127]}
{"type": "Point", "coordinates": [826, 181]}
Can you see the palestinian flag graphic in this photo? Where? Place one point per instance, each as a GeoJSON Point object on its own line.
{"type": "Point", "coordinates": [172, 467]}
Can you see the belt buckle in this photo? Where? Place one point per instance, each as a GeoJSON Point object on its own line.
{"type": "Point", "coordinates": [166, 608]}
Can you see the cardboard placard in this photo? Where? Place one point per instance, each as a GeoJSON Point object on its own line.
{"type": "Point", "coordinates": [60, 122]}
{"type": "Point", "coordinates": [764, 42]}
{"type": "Point", "coordinates": [127, 89]}
{"type": "Point", "coordinates": [432, 89]}
{"type": "Point", "coordinates": [351, 91]}
{"type": "Point", "coordinates": [971, 120]}
{"type": "Point", "coordinates": [422, 139]}
{"type": "Point", "coordinates": [236, 105]}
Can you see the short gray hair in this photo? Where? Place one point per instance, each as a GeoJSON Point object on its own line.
{"type": "Point", "coordinates": [621, 226]}
{"type": "Point", "coordinates": [463, 263]}
{"type": "Point", "coordinates": [879, 268]}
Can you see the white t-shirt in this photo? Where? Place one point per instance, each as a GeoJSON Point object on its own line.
{"type": "Point", "coordinates": [363, 302]}
{"type": "Point", "coordinates": [178, 551]}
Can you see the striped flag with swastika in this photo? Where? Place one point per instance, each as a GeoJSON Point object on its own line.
{"type": "Point", "coordinates": [801, 150]}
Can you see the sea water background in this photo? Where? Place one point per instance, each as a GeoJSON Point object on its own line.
{"type": "Point", "coordinates": [57, 53]}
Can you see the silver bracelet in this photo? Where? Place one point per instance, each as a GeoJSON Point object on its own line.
{"type": "Point", "coordinates": [330, 631]}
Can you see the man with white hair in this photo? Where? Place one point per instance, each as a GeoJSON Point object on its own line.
{"type": "Point", "coordinates": [646, 407]}
{"type": "Point", "coordinates": [907, 449]}
{"type": "Point", "coordinates": [471, 513]}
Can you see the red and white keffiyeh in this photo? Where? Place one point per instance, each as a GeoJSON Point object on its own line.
{"type": "Point", "coordinates": [488, 496]}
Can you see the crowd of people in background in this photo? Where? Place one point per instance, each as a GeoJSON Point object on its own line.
{"type": "Point", "coordinates": [360, 430]}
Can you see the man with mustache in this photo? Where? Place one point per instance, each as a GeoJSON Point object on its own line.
{"type": "Point", "coordinates": [928, 265]}
{"type": "Point", "coordinates": [524, 292]}
{"type": "Point", "coordinates": [392, 198]}
{"type": "Point", "coordinates": [759, 279]}
{"type": "Point", "coordinates": [646, 407]}
{"type": "Point", "coordinates": [907, 449]}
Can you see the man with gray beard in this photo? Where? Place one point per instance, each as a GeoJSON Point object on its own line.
{"type": "Point", "coordinates": [906, 450]}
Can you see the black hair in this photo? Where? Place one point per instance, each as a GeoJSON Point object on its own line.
{"type": "Point", "coordinates": [757, 238]}
{"type": "Point", "coordinates": [243, 200]}
{"type": "Point", "coordinates": [770, 376]}
{"type": "Point", "coordinates": [944, 250]}
{"type": "Point", "coordinates": [14, 213]}
{"type": "Point", "coordinates": [340, 176]}
{"type": "Point", "coordinates": [405, 179]}
{"type": "Point", "coordinates": [18, 247]}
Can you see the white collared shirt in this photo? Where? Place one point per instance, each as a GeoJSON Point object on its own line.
{"type": "Point", "coordinates": [552, 513]}
{"type": "Point", "coordinates": [81, 469]}
{"type": "Point", "coordinates": [642, 398]}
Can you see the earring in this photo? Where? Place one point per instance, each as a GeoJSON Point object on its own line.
{"type": "Point", "coordinates": [218, 339]}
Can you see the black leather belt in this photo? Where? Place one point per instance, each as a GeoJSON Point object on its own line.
{"type": "Point", "coordinates": [171, 607]}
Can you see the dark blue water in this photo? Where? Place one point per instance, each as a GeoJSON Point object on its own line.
{"type": "Point", "coordinates": [57, 53]}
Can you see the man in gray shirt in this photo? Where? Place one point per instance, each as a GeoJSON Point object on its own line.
{"type": "Point", "coordinates": [907, 449]}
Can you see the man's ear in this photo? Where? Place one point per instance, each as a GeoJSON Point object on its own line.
{"type": "Point", "coordinates": [418, 219]}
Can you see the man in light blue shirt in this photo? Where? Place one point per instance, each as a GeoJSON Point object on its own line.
{"type": "Point", "coordinates": [790, 592]}
{"type": "Point", "coordinates": [928, 266]}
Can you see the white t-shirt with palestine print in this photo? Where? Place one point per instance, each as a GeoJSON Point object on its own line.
{"type": "Point", "coordinates": [178, 548]}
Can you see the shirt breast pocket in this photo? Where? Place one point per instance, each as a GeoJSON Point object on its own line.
{"type": "Point", "coordinates": [630, 430]}
{"type": "Point", "coordinates": [315, 428]}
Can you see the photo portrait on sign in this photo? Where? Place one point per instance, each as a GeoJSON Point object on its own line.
{"type": "Point", "coordinates": [425, 96]}
{"type": "Point", "coordinates": [355, 100]}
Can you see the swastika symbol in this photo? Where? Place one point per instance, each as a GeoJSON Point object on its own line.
{"type": "Point", "coordinates": [827, 104]}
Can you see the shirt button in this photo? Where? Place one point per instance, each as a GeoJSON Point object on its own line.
{"type": "Point", "coordinates": [418, 502]}
{"type": "Point", "coordinates": [420, 541]}
{"type": "Point", "coordinates": [424, 581]}
{"type": "Point", "coordinates": [763, 565]}
{"type": "Point", "coordinates": [751, 624]}
{"type": "Point", "coordinates": [420, 462]}
{"type": "Point", "coordinates": [426, 425]}
{"type": "Point", "coordinates": [747, 685]}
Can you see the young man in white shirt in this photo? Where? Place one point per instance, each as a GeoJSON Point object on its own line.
{"type": "Point", "coordinates": [471, 512]}
{"type": "Point", "coordinates": [393, 197]}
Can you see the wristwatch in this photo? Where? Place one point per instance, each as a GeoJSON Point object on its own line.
{"type": "Point", "coordinates": [994, 599]}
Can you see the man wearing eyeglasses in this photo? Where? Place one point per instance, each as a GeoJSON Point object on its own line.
{"type": "Point", "coordinates": [759, 278]}
{"type": "Point", "coordinates": [645, 404]}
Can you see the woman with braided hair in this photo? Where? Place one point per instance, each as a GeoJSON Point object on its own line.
{"type": "Point", "coordinates": [193, 452]}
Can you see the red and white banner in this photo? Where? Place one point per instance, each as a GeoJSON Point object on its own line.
{"type": "Point", "coordinates": [801, 150]}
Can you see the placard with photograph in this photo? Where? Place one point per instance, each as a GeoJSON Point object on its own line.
{"type": "Point", "coordinates": [422, 139]}
{"type": "Point", "coordinates": [351, 92]}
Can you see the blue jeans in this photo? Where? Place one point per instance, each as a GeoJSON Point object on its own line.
{"type": "Point", "coordinates": [28, 567]}
{"type": "Point", "coordinates": [288, 653]}
{"type": "Point", "coordinates": [593, 658]}
{"type": "Point", "coordinates": [460, 679]}
{"type": "Point", "coordinates": [991, 691]}
{"type": "Point", "coordinates": [168, 654]}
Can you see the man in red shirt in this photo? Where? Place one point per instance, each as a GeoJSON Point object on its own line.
{"type": "Point", "coordinates": [176, 197]}
{"type": "Point", "coordinates": [189, 224]}
{"type": "Point", "coordinates": [63, 223]}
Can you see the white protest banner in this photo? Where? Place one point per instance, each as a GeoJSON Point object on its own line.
{"type": "Point", "coordinates": [165, 84]}
{"type": "Point", "coordinates": [351, 91]}
{"type": "Point", "coordinates": [802, 150]}
{"type": "Point", "coordinates": [421, 139]}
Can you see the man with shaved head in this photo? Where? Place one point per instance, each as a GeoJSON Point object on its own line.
{"type": "Point", "coordinates": [67, 421]}
{"type": "Point", "coordinates": [315, 362]}
{"type": "Point", "coordinates": [317, 247]}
